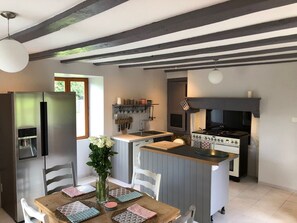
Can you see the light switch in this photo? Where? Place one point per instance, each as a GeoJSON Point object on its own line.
{"type": "Point", "coordinates": [294, 119]}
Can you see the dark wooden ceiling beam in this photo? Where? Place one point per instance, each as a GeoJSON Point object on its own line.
{"type": "Point", "coordinates": [217, 49]}
{"type": "Point", "coordinates": [242, 60]}
{"type": "Point", "coordinates": [228, 34]}
{"type": "Point", "coordinates": [233, 65]}
{"type": "Point", "coordinates": [201, 17]}
{"type": "Point", "coordinates": [178, 63]}
{"type": "Point", "coordinates": [71, 16]}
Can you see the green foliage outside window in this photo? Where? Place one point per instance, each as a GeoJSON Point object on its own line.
{"type": "Point", "coordinates": [59, 86]}
{"type": "Point", "coordinates": [78, 88]}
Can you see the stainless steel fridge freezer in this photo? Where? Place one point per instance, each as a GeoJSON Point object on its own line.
{"type": "Point", "coordinates": [37, 130]}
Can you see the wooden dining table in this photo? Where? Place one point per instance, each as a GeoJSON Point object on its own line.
{"type": "Point", "coordinates": [49, 203]}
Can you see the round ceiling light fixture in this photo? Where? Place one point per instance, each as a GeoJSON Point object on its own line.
{"type": "Point", "coordinates": [215, 76]}
{"type": "Point", "coordinates": [13, 55]}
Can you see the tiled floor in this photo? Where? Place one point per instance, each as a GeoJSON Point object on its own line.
{"type": "Point", "coordinates": [249, 203]}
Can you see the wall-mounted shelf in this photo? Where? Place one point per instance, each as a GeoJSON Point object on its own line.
{"type": "Point", "coordinates": [130, 109]}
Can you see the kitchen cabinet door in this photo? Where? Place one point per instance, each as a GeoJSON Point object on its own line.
{"type": "Point", "coordinates": [122, 163]}
{"type": "Point", "coordinates": [136, 150]}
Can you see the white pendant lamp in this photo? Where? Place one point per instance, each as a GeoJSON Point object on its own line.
{"type": "Point", "coordinates": [215, 76]}
{"type": "Point", "coordinates": [13, 55]}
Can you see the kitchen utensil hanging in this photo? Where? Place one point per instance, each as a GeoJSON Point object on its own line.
{"type": "Point", "coordinates": [123, 122]}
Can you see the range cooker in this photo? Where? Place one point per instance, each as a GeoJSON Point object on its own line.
{"type": "Point", "coordinates": [227, 141]}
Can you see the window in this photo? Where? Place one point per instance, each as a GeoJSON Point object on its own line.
{"type": "Point", "coordinates": [80, 87]}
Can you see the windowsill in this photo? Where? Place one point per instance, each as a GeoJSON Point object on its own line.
{"type": "Point", "coordinates": [86, 180]}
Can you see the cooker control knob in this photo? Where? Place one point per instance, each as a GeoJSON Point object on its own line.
{"type": "Point", "coordinates": [236, 142]}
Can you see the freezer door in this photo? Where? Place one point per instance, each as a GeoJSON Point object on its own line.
{"type": "Point", "coordinates": [61, 119]}
{"type": "Point", "coordinates": [29, 162]}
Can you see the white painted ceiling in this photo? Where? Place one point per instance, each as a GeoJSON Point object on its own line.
{"type": "Point", "coordinates": [133, 14]}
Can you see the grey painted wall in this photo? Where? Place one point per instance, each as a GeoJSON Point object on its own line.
{"type": "Point", "coordinates": [275, 132]}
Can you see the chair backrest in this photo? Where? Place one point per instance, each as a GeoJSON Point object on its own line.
{"type": "Point", "coordinates": [29, 213]}
{"type": "Point", "coordinates": [188, 217]}
{"type": "Point", "coordinates": [140, 178]}
{"type": "Point", "coordinates": [58, 177]}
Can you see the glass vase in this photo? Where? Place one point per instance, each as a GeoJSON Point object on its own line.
{"type": "Point", "coordinates": [102, 190]}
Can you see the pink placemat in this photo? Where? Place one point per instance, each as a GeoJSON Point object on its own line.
{"type": "Point", "coordinates": [72, 191]}
{"type": "Point", "coordinates": [141, 211]}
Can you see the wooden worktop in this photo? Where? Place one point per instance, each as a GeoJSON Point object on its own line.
{"type": "Point", "coordinates": [188, 152]}
{"type": "Point", "coordinates": [133, 138]}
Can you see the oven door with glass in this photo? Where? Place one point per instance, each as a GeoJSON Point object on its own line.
{"type": "Point", "coordinates": [234, 164]}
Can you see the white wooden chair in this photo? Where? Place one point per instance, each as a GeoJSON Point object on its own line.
{"type": "Point", "coordinates": [137, 177]}
{"type": "Point", "coordinates": [58, 177]}
{"type": "Point", "coordinates": [29, 213]}
{"type": "Point", "coordinates": [188, 217]}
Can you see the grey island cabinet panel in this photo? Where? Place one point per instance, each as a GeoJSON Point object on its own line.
{"type": "Point", "coordinates": [186, 180]}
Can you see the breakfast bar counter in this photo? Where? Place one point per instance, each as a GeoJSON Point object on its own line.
{"type": "Point", "coordinates": [190, 178]}
{"type": "Point", "coordinates": [192, 153]}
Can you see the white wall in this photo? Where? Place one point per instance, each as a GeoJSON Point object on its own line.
{"type": "Point", "coordinates": [134, 84]}
{"type": "Point", "coordinates": [276, 85]}
{"type": "Point", "coordinates": [177, 74]}
{"type": "Point", "coordinates": [126, 83]}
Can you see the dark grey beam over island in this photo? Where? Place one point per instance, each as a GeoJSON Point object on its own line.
{"type": "Point", "coordinates": [190, 179]}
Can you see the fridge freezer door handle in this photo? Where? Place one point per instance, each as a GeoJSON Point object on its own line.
{"type": "Point", "coordinates": [44, 128]}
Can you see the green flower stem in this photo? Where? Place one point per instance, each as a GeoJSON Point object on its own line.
{"type": "Point", "coordinates": [102, 190]}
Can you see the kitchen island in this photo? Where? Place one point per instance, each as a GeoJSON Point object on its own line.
{"type": "Point", "coordinates": [128, 147]}
{"type": "Point", "coordinates": [189, 178]}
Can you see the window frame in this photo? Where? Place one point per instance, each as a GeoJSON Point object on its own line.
{"type": "Point", "coordinates": [67, 82]}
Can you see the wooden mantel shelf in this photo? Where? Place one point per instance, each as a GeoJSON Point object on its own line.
{"type": "Point", "coordinates": [231, 104]}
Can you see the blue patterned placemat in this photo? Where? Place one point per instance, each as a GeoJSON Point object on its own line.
{"type": "Point", "coordinates": [128, 217]}
{"type": "Point", "coordinates": [84, 215]}
{"type": "Point", "coordinates": [130, 196]}
{"type": "Point", "coordinates": [119, 192]}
